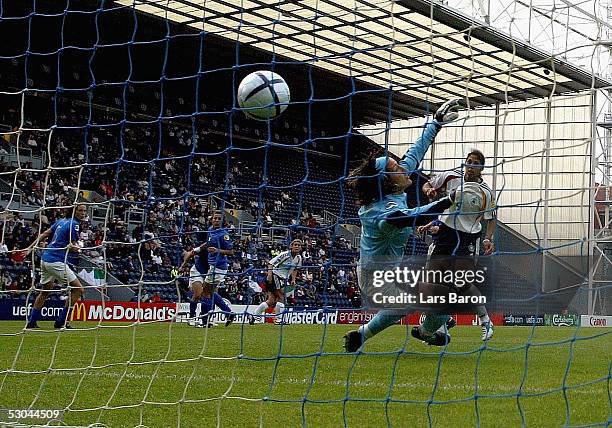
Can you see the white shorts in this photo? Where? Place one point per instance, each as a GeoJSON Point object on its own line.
{"type": "Point", "coordinates": [195, 276]}
{"type": "Point", "coordinates": [56, 270]}
{"type": "Point", "coordinates": [214, 276]}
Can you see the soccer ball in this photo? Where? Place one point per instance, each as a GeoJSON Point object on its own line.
{"type": "Point", "coordinates": [263, 94]}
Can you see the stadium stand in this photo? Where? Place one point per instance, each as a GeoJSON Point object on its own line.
{"type": "Point", "coordinates": [155, 244]}
{"type": "Point", "coordinates": [171, 175]}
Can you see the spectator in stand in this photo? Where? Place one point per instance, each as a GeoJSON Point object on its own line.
{"type": "Point", "coordinates": [310, 289]}
{"type": "Point", "coordinates": [106, 189]}
{"type": "Point", "coordinates": [123, 277]}
{"type": "Point", "coordinates": [18, 256]}
{"type": "Point", "coordinates": [130, 265]}
{"type": "Point", "coordinates": [145, 297]}
{"type": "Point", "coordinates": [6, 280]}
{"type": "Point", "coordinates": [267, 218]}
{"type": "Point", "coordinates": [32, 144]}
{"type": "Point", "coordinates": [14, 288]}
{"type": "Point", "coordinates": [156, 258]}
{"type": "Point", "coordinates": [42, 219]}
{"type": "Point", "coordinates": [146, 254]}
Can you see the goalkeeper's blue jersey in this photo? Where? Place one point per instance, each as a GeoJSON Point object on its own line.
{"type": "Point", "coordinates": [378, 237]}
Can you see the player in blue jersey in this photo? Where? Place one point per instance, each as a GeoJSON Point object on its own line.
{"type": "Point", "coordinates": [57, 263]}
{"type": "Point", "coordinates": [387, 222]}
{"type": "Point", "coordinates": [208, 271]}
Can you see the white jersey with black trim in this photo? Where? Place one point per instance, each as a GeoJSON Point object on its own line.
{"type": "Point", "coordinates": [483, 199]}
{"type": "Point", "coordinates": [283, 264]}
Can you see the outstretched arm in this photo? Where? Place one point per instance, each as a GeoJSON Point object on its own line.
{"type": "Point", "coordinates": [415, 154]}
{"type": "Point", "coordinates": [406, 217]}
{"type": "Point", "coordinates": [43, 236]}
{"type": "Point", "coordinates": [186, 257]}
{"type": "Point", "coordinates": [438, 182]}
{"type": "Point", "coordinates": [191, 254]}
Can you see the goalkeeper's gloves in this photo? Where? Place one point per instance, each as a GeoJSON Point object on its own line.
{"type": "Point", "coordinates": [448, 111]}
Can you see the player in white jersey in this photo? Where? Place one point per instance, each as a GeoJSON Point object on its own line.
{"type": "Point", "coordinates": [460, 225]}
{"type": "Point", "coordinates": [282, 271]}
{"type": "Point", "coordinates": [479, 205]}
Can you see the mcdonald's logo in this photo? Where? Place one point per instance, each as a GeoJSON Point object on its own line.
{"type": "Point", "coordinates": [79, 312]}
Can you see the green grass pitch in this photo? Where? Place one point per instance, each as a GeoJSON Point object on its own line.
{"type": "Point", "coordinates": [158, 375]}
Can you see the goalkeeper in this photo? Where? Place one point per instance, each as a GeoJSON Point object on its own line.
{"type": "Point", "coordinates": [387, 222]}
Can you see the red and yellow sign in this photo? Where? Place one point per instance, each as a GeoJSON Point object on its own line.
{"type": "Point", "coordinates": [122, 311]}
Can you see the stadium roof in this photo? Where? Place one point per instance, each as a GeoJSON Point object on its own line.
{"type": "Point", "coordinates": [425, 52]}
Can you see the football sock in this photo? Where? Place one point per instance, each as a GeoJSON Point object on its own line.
{"type": "Point", "coordinates": [61, 318]}
{"type": "Point", "coordinates": [261, 308]}
{"type": "Point", "coordinates": [34, 316]}
{"type": "Point", "coordinates": [192, 308]}
{"type": "Point", "coordinates": [279, 308]}
{"type": "Point", "coordinates": [383, 319]}
{"type": "Point", "coordinates": [206, 305]}
{"type": "Point", "coordinates": [220, 303]}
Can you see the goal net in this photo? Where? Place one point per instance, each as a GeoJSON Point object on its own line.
{"type": "Point", "coordinates": [132, 109]}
